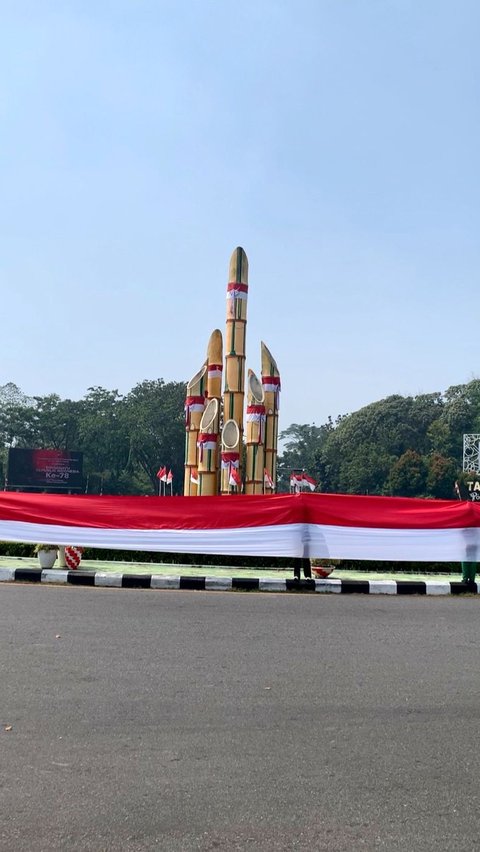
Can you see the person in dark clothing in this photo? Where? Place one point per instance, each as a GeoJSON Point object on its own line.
{"type": "Point", "coordinates": [469, 570]}
{"type": "Point", "coordinates": [300, 565]}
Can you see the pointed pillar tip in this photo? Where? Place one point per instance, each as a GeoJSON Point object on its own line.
{"type": "Point", "coordinates": [215, 347]}
{"type": "Point", "coordinates": [238, 267]}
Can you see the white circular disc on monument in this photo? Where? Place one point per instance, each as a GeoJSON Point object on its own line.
{"type": "Point", "coordinates": [256, 388]}
{"type": "Point", "coordinates": [209, 415]}
{"type": "Point", "coordinates": [230, 435]}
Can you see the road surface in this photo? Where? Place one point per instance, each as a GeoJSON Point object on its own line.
{"type": "Point", "coordinates": [198, 721]}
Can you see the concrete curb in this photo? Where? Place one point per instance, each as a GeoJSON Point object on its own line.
{"type": "Point", "coordinates": [245, 584]}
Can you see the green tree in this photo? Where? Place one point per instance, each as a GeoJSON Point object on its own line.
{"type": "Point", "coordinates": [54, 423]}
{"type": "Point", "coordinates": [441, 475]}
{"type": "Point", "coordinates": [154, 413]}
{"type": "Point", "coordinates": [104, 440]}
{"type": "Point", "coordinates": [408, 475]}
{"type": "Point", "coordinates": [301, 451]}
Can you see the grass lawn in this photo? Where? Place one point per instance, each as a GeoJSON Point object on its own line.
{"type": "Point", "coordinates": [225, 571]}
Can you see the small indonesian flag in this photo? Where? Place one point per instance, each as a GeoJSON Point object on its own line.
{"type": "Point", "coordinates": [169, 478]}
{"type": "Point", "coordinates": [308, 482]}
{"type": "Point", "coordinates": [234, 477]}
{"type": "Point", "coordinates": [194, 476]}
{"type": "Point", "coordinates": [295, 480]}
{"type": "Point", "coordinates": [162, 474]}
{"type": "Point", "coordinates": [267, 479]}
{"type": "Point", "coordinates": [300, 481]}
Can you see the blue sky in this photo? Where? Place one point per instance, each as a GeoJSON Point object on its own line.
{"type": "Point", "coordinates": [335, 140]}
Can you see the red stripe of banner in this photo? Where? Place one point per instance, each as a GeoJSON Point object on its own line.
{"type": "Point", "coordinates": [347, 510]}
{"type": "Point", "coordinates": [144, 513]}
{"type": "Point", "coordinates": [197, 513]}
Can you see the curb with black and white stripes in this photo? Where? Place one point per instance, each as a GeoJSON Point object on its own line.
{"type": "Point", "coordinates": [226, 584]}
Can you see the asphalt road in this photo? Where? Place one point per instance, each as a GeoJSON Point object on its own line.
{"type": "Point", "coordinates": [201, 721]}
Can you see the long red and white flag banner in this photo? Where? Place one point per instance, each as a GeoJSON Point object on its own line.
{"type": "Point", "coordinates": [334, 526]}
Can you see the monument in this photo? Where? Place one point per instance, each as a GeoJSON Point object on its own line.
{"type": "Point", "coordinates": [221, 456]}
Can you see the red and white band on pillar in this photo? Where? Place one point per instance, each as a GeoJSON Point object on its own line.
{"type": "Point", "coordinates": [73, 556]}
{"type": "Point", "coordinates": [193, 403]}
{"type": "Point", "coordinates": [206, 441]}
{"type": "Point", "coordinates": [256, 414]}
{"type": "Point", "coordinates": [215, 371]}
{"type": "Point", "coordinates": [272, 384]}
{"type": "Point", "coordinates": [230, 459]}
{"type": "Point", "coordinates": [235, 291]}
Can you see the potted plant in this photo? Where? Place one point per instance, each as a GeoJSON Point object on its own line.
{"type": "Point", "coordinates": [47, 554]}
{"type": "Point", "coordinates": [322, 568]}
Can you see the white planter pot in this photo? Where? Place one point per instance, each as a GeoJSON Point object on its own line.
{"type": "Point", "coordinates": [47, 558]}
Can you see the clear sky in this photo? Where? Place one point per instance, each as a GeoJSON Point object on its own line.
{"type": "Point", "coordinates": [337, 141]}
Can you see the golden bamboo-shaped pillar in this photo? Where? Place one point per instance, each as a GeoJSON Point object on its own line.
{"type": "Point", "coordinates": [237, 295]}
{"type": "Point", "coordinates": [255, 436]}
{"type": "Point", "coordinates": [214, 384]}
{"type": "Point", "coordinates": [271, 389]}
{"type": "Point", "coordinates": [207, 444]}
{"type": "Point", "coordinates": [194, 408]}
{"type": "Point", "coordinates": [215, 364]}
{"type": "Point", "coordinates": [230, 458]}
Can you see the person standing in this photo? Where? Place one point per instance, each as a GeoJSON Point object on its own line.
{"type": "Point", "coordinates": [469, 571]}
{"type": "Point", "coordinates": [469, 568]}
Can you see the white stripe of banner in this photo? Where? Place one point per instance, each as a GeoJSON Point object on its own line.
{"type": "Point", "coordinates": [402, 545]}
{"type": "Point", "coordinates": [289, 540]}
{"type": "Point", "coordinates": [282, 540]}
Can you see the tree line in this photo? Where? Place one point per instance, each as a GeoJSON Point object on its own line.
{"type": "Point", "coordinates": [399, 446]}
{"type": "Point", "coordinates": [124, 438]}
{"type": "Point", "coordinates": [406, 446]}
